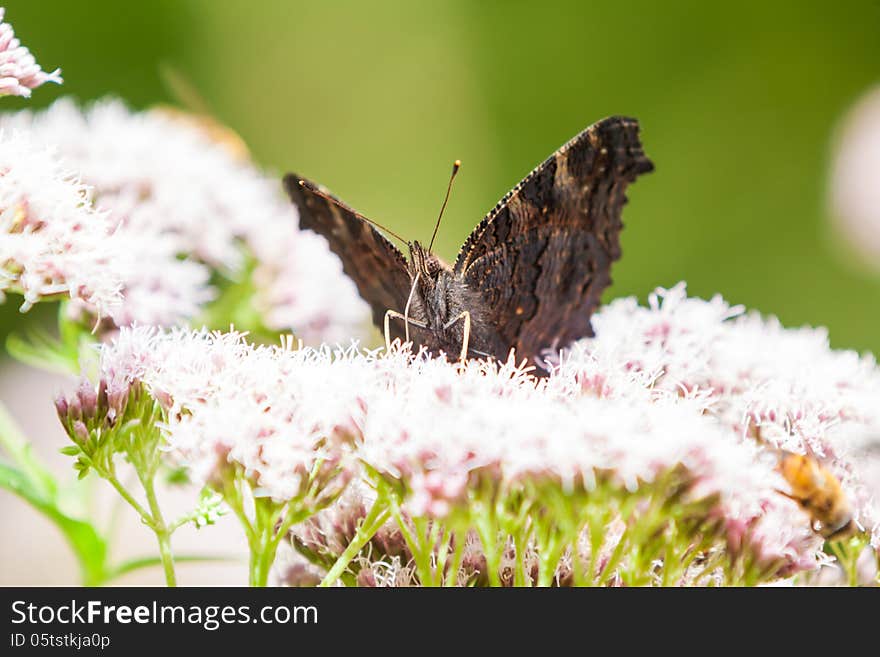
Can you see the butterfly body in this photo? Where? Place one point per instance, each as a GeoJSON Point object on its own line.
{"type": "Point", "coordinates": [530, 274]}
{"type": "Point", "coordinates": [439, 301]}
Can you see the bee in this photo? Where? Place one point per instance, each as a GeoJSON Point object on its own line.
{"type": "Point", "coordinates": [819, 493]}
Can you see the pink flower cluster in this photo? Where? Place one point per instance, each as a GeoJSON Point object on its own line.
{"type": "Point", "coordinates": [778, 388]}
{"type": "Point", "coordinates": [52, 239]}
{"type": "Point", "coordinates": [270, 410]}
{"type": "Point", "coordinates": [680, 383]}
{"type": "Point", "coordinates": [19, 71]}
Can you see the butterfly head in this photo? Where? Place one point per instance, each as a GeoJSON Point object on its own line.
{"type": "Point", "coordinates": [431, 279]}
{"type": "Point", "coordinates": [424, 264]}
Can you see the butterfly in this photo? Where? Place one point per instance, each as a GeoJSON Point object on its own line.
{"type": "Point", "coordinates": [527, 278]}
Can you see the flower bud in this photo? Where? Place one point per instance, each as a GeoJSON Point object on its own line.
{"type": "Point", "coordinates": [300, 574]}
{"type": "Point", "coordinates": [366, 578]}
{"type": "Point", "coordinates": [61, 408]}
{"type": "Point", "coordinates": [80, 432]}
{"type": "Point", "coordinates": [102, 397]}
{"type": "Point", "coordinates": [117, 399]}
{"type": "Point", "coordinates": [88, 399]}
{"type": "Point", "coordinates": [74, 410]}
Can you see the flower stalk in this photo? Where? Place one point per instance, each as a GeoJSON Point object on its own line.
{"type": "Point", "coordinates": [105, 423]}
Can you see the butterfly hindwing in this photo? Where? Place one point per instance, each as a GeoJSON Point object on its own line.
{"type": "Point", "coordinates": [376, 266]}
{"type": "Point", "coordinates": [542, 257]}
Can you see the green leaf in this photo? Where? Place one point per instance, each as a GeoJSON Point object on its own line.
{"type": "Point", "coordinates": [76, 342]}
{"type": "Point", "coordinates": [149, 562]}
{"type": "Point", "coordinates": [39, 349]}
{"type": "Point", "coordinates": [70, 450]}
{"type": "Point", "coordinates": [18, 448]}
{"type": "Point", "coordinates": [177, 476]}
{"type": "Point", "coordinates": [71, 334]}
{"type": "Point", "coordinates": [88, 545]}
{"type": "Point", "coordinates": [234, 306]}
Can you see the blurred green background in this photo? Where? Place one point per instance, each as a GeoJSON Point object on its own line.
{"type": "Point", "coordinates": [738, 104]}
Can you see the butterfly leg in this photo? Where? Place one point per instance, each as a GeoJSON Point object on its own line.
{"type": "Point", "coordinates": [409, 299]}
{"type": "Point", "coordinates": [466, 336]}
{"type": "Point", "coordinates": [407, 321]}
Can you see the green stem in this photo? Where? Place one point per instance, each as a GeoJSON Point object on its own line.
{"type": "Point", "coordinates": [422, 551]}
{"type": "Point", "coordinates": [133, 503]}
{"type": "Point", "coordinates": [671, 562]}
{"type": "Point", "coordinates": [413, 541]}
{"type": "Point", "coordinates": [641, 526]}
{"type": "Point", "coordinates": [115, 517]}
{"type": "Point", "coordinates": [847, 553]}
{"type": "Point", "coordinates": [442, 555]}
{"type": "Point", "coordinates": [235, 499]}
{"type": "Point", "coordinates": [259, 574]}
{"type": "Point", "coordinates": [713, 562]}
{"type": "Point", "coordinates": [459, 538]}
{"type": "Point", "coordinates": [694, 551]}
{"type": "Point", "coordinates": [552, 533]}
{"type": "Point", "coordinates": [434, 542]}
{"type": "Point", "coordinates": [570, 524]}
{"type": "Point", "coordinates": [152, 519]}
{"type": "Point", "coordinates": [520, 541]}
{"type": "Point", "coordinates": [614, 559]}
{"type": "Point", "coordinates": [265, 558]}
{"type": "Point", "coordinates": [141, 449]}
{"type": "Point", "coordinates": [597, 527]}
{"type": "Point", "coordinates": [263, 547]}
{"type": "Point", "coordinates": [551, 551]}
{"type": "Point", "coordinates": [163, 534]}
{"type": "Point", "coordinates": [488, 534]}
{"type": "Point", "coordinates": [253, 551]}
{"type": "Point", "coordinates": [852, 570]}
{"type": "Point", "coordinates": [377, 516]}
{"type": "Point", "coordinates": [272, 521]}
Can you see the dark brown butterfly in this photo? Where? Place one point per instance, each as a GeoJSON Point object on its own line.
{"type": "Point", "coordinates": [530, 274]}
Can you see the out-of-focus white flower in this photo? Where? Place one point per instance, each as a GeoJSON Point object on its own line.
{"type": "Point", "coordinates": [19, 71]}
{"type": "Point", "coordinates": [170, 185]}
{"type": "Point", "coordinates": [855, 179]}
{"type": "Point", "coordinates": [786, 387]}
{"type": "Point", "coordinates": [162, 287]}
{"type": "Point", "coordinates": [52, 240]}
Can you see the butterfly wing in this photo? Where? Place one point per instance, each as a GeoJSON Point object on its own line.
{"type": "Point", "coordinates": [542, 257]}
{"type": "Point", "coordinates": [376, 266]}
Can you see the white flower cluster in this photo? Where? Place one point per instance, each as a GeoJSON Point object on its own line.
{"type": "Point", "coordinates": [52, 240]}
{"type": "Point", "coordinates": [782, 388]}
{"type": "Point", "coordinates": [183, 204]}
{"type": "Point", "coordinates": [681, 382]}
{"type": "Point", "coordinates": [272, 410]}
{"type": "Point", "coordinates": [19, 71]}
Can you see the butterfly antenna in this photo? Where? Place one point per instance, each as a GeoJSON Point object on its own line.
{"type": "Point", "coordinates": [315, 189]}
{"type": "Point", "coordinates": [381, 227]}
{"type": "Point", "coordinates": [455, 167]}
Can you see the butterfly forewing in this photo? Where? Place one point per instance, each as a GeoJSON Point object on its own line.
{"type": "Point", "coordinates": [542, 257]}
{"type": "Point", "coordinates": [376, 266]}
